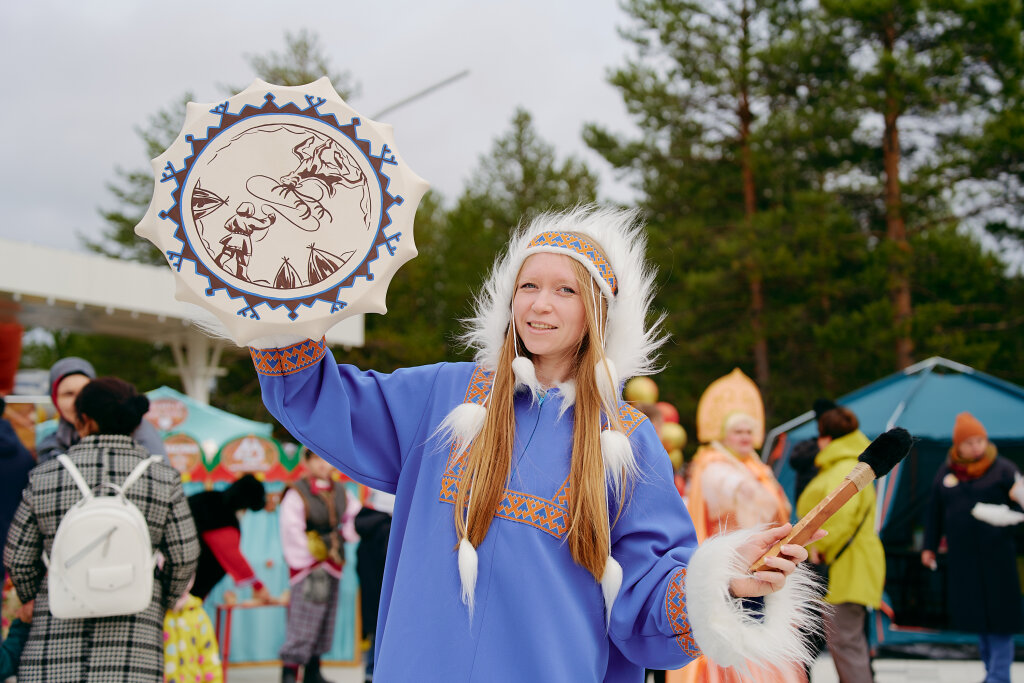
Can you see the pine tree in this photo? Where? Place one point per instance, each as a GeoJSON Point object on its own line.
{"type": "Point", "coordinates": [519, 178]}
{"type": "Point", "coordinates": [730, 99]}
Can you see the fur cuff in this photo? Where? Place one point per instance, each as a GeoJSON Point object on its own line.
{"type": "Point", "coordinates": [733, 636]}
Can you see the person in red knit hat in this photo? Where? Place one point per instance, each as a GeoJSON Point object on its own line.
{"type": "Point", "coordinates": [975, 499]}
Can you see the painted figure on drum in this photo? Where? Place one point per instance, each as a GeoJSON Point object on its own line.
{"type": "Point", "coordinates": [237, 244]}
{"type": "Point", "coordinates": [324, 167]}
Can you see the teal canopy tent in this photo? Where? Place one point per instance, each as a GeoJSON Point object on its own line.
{"type": "Point", "coordinates": [174, 413]}
{"type": "Point", "coordinates": [256, 634]}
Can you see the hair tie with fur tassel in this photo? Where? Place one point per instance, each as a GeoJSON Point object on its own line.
{"type": "Point", "coordinates": [467, 574]}
{"type": "Point", "coordinates": [611, 581]}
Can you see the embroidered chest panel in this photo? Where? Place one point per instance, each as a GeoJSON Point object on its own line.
{"type": "Point", "coordinates": [547, 514]}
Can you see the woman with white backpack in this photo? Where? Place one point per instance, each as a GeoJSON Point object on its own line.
{"type": "Point", "coordinates": [91, 523]}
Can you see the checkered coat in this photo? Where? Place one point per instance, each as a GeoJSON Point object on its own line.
{"type": "Point", "coordinates": [124, 649]}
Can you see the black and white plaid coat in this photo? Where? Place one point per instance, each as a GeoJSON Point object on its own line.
{"type": "Point", "coordinates": [125, 649]}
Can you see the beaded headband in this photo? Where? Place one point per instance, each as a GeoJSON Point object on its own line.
{"type": "Point", "coordinates": [581, 249]}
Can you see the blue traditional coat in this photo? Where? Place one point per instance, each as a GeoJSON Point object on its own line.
{"type": "Point", "coordinates": [539, 616]}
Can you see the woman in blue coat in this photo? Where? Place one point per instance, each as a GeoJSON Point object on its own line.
{"type": "Point", "coordinates": [537, 534]}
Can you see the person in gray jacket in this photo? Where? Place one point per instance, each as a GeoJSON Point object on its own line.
{"type": "Point", "coordinates": [67, 377]}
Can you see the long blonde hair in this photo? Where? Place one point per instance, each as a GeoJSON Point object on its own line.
{"type": "Point", "coordinates": [489, 458]}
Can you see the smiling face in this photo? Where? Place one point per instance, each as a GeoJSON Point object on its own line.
{"type": "Point", "coordinates": [549, 314]}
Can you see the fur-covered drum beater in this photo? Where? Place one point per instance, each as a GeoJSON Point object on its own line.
{"type": "Point", "coordinates": [876, 461]}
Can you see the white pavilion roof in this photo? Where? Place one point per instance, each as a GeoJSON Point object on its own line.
{"type": "Point", "coordinates": [58, 289]}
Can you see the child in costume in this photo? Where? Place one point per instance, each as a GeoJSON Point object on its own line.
{"type": "Point", "coordinates": [537, 534]}
{"type": "Point", "coordinates": [312, 514]}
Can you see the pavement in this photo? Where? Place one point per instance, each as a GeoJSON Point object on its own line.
{"type": "Point", "coordinates": [917, 671]}
{"type": "Point", "coordinates": [272, 674]}
{"type": "Point", "coordinates": [886, 671]}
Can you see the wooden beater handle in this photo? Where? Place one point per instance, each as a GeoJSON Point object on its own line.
{"type": "Point", "coordinates": [860, 476]}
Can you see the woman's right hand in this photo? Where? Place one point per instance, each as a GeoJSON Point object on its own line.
{"type": "Point", "coordinates": [928, 559]}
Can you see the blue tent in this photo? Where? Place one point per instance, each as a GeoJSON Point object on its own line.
{"type": "Point", "coordinates": [925, 400]}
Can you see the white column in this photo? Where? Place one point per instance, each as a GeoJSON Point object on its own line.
{"type": "Point", "coordinates": [197, 358]}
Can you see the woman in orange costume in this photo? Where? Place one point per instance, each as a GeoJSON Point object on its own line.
{"type": "Point", "coordinates": [729, 488]}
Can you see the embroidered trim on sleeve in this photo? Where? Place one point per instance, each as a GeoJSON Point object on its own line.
{"type": "Point", "coordinates": [289, 360]}
{"type": "Point", "coordinates": [675, 610]}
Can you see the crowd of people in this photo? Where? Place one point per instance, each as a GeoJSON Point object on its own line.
{"type": "Point", "coordinates": [196, 542]}
{"type": "Point", "coordinates": [525, 522]}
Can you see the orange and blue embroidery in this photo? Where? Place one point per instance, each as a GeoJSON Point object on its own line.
{"type": "Point", "coordinates": [583, 247]}
{"type": "Point", "coordinates": [289, 360]}
{"type": "Point", "coordinates": [631, 418]}
{"type": "Point", "coordinates": [675, 611]}
{"type": "Point", "coordinates": [547, 515]}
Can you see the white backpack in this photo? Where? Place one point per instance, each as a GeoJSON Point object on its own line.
{"type": "Point", "coordinates": [101, 563]}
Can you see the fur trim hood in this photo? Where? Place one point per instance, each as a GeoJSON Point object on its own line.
{"type": "Point", "coordinates": [630, 343]}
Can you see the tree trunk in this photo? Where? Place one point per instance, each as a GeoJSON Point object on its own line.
{"type": "Point", "coordinates": [762, 374]}
{"type": "Point", "coordinates": [895, 226]}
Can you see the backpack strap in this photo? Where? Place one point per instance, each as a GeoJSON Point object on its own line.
{"type": "Point", "coordinates": [139, 470]}
{"type": "Point", "coordinates": [76, 476]}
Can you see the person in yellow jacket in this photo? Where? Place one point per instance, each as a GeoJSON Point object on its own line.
{"type": "Point", "coordinates": [191, 653]}
{"type": "Point", "coordinates": [852, 549]}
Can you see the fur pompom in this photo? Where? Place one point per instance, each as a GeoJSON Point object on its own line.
{"type": "Point", "coordinates": [467, 574]}
{"type": "Point", "coordinates": [996, 515]}
{"type": "Point", "coordinates": [617, 453]}
{"type": "Point", "coordinates": [526, 375]}
{"type": "Point", "coordinates": [729, 634]}
{"type": "Point", "coordinates": [462, 425]}
{"type": "Point", "coordinates": [611, 581]}
{"type": "Point", "coordinates": [607, 383]}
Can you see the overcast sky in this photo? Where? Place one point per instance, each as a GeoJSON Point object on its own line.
{"type": "Point", "coordinates": [80, 77]}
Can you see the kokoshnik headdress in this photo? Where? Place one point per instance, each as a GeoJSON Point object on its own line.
{"type": "Point", "coordinates": [610, 244]}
